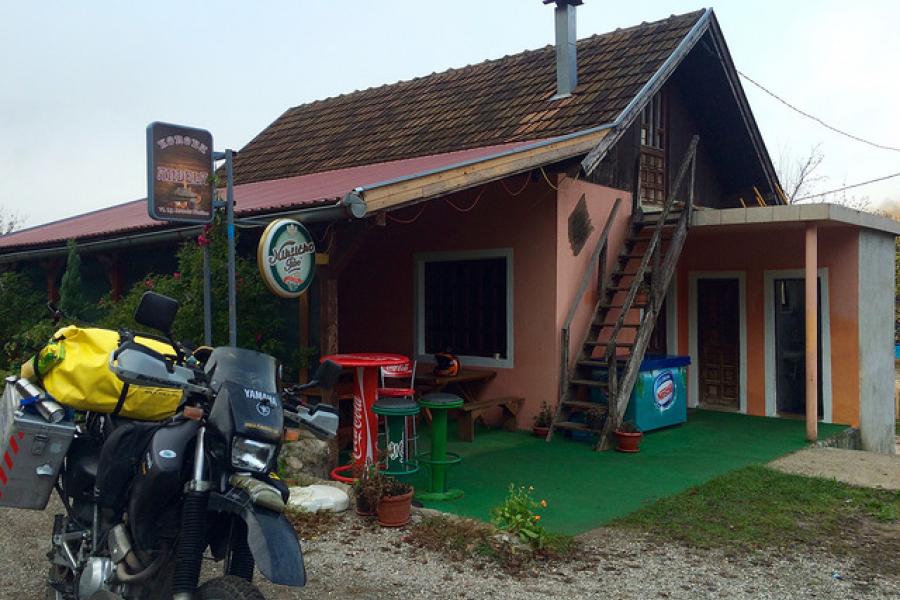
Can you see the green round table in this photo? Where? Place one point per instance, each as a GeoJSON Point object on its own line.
{"type": "Point", "coordinates": [439, 459]}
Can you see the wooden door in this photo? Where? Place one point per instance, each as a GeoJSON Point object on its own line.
{"type": "Point", "coordinates": [718, 338]}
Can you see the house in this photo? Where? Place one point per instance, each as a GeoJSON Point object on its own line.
{"type": "Point", "coordinates": [471, 210]}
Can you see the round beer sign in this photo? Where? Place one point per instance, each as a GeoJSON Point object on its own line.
{"type": "Point", "coordinates": [286, 257]}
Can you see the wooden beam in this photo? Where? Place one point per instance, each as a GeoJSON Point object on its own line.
{"type": "Point", "coordinates": [303, 331]}
{"type": "Point", "coordinates": [812, 331]}
{"type": "Point", "coordinates": [328, 316]}
{"type": "Point", "coordinates": [470, 175]}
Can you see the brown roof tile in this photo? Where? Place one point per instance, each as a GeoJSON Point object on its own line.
{"type": "Point", "coordinates": [497, 101]}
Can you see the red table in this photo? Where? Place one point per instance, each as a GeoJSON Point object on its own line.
{"type": "Point", "coordinates": [366, 379]}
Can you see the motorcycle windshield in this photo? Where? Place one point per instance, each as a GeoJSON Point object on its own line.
{"type": "Point", "coordinates": [247, 367]}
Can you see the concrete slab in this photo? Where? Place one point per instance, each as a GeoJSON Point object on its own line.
{"type": "Point", "coordinates": [855, 467]}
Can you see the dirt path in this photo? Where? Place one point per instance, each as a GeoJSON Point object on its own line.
{"type": "Point", "coordinates": [355, 559]}
{"type": "Point", "coordinates": [865, 469]}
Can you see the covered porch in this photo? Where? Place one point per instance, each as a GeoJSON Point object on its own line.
{"type": "Point", "coordinates": [788, 311]}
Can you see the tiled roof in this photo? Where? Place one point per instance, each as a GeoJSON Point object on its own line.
{"type": "Point", "coordinates": [497, 101]}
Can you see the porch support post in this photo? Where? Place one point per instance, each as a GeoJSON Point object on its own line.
{"type": "Point", "coordinates": [812, 332]}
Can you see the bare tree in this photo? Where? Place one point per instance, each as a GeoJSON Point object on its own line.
{"type": "Point", "coordinates": [9, 221]}
{"type": "Point", "coordinates": [799, 175]}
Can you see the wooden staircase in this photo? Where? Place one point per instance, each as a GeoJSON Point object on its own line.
{"type": "Point", "coordinates": [625, 314]}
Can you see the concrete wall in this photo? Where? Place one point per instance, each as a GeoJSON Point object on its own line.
{"type": "Point", "coordinates": [876, 340]}
{"type": "Point", "coordinates": [753, 250]}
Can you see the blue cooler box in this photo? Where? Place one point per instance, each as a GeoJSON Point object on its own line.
{"type": "Point", "coordinates": [659, 398]}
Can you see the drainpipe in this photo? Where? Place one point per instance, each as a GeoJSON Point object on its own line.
{"type": "Point", "coordinates": [812, 332]}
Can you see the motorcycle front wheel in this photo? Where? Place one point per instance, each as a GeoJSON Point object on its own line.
{"type": "Point", "coordinates": [229, 588]}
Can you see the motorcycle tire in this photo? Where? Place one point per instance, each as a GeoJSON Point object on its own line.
{"type": "Point", "coordinates": [229, 587]}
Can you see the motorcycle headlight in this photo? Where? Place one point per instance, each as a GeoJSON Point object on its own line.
{"type": "Point", "coordinates": [250, 455]}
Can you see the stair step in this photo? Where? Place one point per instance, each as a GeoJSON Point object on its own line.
{"type": "Point", "coordinates": [583, 405]}
{"type": "Point", "coordinates": [616, 305]}
{"type": "Point", "coordinates": [589, 383]}
{"type": "Point", "coordinates": [596, 364]}
{"type": "Point", "coordinates": [624, 325]}
{"type": "Point", "coordinates": [618, 344]}
{"type": "Point", "coordinates": [574, 426]}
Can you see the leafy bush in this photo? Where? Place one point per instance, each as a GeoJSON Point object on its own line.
{"type": "Point", "coordinates": [261, 320]}
{"type": "Point", "coordinates": [24, 322]}
{"type": "Point", "coordinates": [518, 515]}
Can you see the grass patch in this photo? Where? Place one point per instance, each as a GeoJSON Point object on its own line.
{"type": "Point", "coordinates": [462, 539]}
{"type": "Point", "coordinates": [310, 525]}
{"type": "Point", "coordinates": [757, 507]}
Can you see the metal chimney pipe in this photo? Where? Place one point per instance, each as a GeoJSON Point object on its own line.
{"type": "Point", "coordinates": [566, 47]}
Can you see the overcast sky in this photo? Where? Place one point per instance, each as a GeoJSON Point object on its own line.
{"type": "Point", "coordinates": [80, 81]}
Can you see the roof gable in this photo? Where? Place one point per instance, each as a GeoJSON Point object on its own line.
{"type": "Point", "coordinates": [497, 101]}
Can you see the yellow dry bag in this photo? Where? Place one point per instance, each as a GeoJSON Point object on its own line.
{"type": "Point", "coordinates": [74, 368]}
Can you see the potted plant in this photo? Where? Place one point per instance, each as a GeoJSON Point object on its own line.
{"type": "Point", "coordinates": [367, 490]}
{"type": "Point", "coordinates": [395, 503]}
{"type": "Point", "coordinates": [628, 437]}
{"type": "Point", "coordinates": [542, 421]}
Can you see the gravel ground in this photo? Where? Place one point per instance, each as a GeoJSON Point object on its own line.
{"type": "Point", "coordinates": [359, 560]}
{"type": "Point", "coordinates": [866, 469]}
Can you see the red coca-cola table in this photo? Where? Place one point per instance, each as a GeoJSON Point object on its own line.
{"type": "Point", "coordinates": [366, 379]}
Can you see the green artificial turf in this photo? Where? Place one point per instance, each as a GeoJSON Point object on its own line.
{"type": "Point", "coordinates": [585, 489]}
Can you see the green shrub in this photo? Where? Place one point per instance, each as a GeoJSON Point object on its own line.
{"type": "Point", "coordinates": [261, 315]}
{"type": "Point", "coordinates": [24, 322]}
{"type": "Point", "coordinates": [518, 514]}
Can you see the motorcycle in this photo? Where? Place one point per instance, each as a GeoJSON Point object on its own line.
{"type": "Point", "coordinates": [145, 500]}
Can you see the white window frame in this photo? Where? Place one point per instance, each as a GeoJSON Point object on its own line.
{"type": "Point", "coordinates": [824, 328]}
{"type": "Point", "coordinates": [418, 326]}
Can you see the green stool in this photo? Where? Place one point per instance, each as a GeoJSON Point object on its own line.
{"type": "Point", "coordinates": [439, 459]}
{"type": "Point", "coordinates": [400, 446]}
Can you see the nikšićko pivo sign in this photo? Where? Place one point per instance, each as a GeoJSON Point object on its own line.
{"type": "Point", "coordinates": [179, 165]}
{"type": "Point", "coordinates": [286, 257]}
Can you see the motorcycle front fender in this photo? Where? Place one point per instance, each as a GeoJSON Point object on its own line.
{"type": "Point", "coordinates": [275, 546]}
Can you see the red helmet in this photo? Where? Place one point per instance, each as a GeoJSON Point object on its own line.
{"type": "Point", "coordinates": [446, 365]}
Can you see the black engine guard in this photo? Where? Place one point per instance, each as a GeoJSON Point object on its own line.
{"type": "Point", "coordinates": [271, 538]}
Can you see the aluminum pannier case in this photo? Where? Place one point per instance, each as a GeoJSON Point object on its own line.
{"type": "Point", "coordinates": [32, 451]}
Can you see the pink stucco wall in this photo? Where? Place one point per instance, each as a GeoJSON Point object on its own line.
{"type": "Point", "coordinates": [377, 296]}
{"type": "Point", "coordinates": [754, 250]}
{"type": "Point", "coordinates": [570, 268]}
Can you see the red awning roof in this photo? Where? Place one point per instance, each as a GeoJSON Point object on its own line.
{"type": "Point", "coordinates": [300, 192]}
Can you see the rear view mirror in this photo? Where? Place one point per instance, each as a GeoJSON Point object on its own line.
{"type": "Point", "coordinates": [328, 374]}
{"type": "Point", "coordinates": [156, 312]}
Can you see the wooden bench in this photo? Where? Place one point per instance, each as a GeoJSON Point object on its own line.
{"type": "Point", "coordinates": [472, 411]}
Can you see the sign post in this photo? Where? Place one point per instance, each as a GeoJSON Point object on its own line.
{"type": "Point", "coordinates": [180, 188]}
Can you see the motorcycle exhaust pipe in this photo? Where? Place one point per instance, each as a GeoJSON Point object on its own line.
{"type": "Point", "coordinates": [121, 550]}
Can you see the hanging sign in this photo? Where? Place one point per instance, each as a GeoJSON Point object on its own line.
{"type": "Point", "coordinates": [179, 165]}
{"type": "Point", "coordinates": [286, 258]}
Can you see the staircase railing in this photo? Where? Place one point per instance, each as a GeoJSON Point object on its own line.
{"type": "Point", "coordinates": [660, 276]}
{"type": "Point", "coordinates": [597, 263]}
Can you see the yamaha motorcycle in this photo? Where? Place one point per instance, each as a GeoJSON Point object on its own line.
{"type": "Point", "coordinates": [145, 501]}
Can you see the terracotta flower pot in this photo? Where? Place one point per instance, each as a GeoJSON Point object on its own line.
{"type": "Point", "coordinates": [539, 431]}
{"type": "Point", "coordinates": [628, 442]}
{"type": "Point", "coordinates": [363, 509]}
{"type": "Point", "coordinates": [394, 511]}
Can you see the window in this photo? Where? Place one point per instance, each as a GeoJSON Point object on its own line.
{"type": "Point", "coordinates": [653, 151]}
{"type": "Point", "coordinates": [464, 306]}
